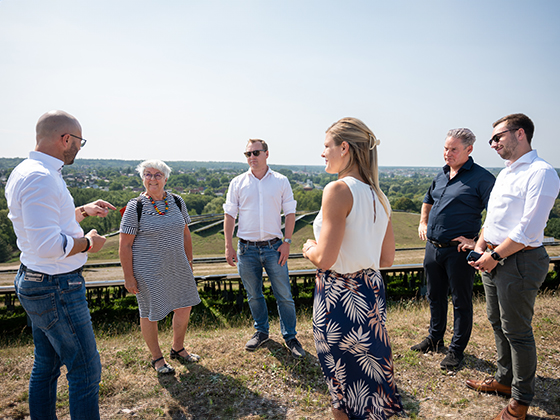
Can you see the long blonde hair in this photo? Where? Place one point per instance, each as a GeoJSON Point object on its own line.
{"type": "Point", "coordinates": [363, 152]}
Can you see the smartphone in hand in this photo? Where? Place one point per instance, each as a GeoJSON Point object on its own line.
{"type": "Point", "coordinates": [473, 256]}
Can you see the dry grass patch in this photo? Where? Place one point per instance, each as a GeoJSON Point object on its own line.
{"type": "Point", "coordinates": [230, 383]}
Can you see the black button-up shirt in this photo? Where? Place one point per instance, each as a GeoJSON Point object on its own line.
{"type": "Point", "coordinates": [457, 203]}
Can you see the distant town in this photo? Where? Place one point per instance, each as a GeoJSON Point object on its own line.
{"type": "Point", "coordinates": [192, 177]}
{"type": "Point", "coordinates": [203, 186]}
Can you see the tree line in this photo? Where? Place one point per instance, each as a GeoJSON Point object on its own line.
{"type": "Point", "coordinates": [404, 191]}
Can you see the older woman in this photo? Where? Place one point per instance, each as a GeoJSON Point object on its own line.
{"type": "Point", "coordinates": [353, 239]}
{"type": "Point", "coordinates": [156, 255]}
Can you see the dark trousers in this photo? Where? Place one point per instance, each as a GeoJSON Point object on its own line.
{"type": "Point", "coordinates": [447, 272]}
{"type": "Point", "coordinates": [511, 290]}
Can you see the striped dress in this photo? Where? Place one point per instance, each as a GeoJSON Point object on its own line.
{"type": "Point", "coordinates": [160, 265]}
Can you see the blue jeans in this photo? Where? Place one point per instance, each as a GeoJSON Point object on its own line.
{"type": "Point", "coordinates": [447, 271]}
{"type": "Point", "coordinates": [63, 335]}
{"type": "Point", "coordinates": [251, 261]}
{"type": "Point", "coordinates": [511, 290]}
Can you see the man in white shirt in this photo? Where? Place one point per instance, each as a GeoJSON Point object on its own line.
{"type": "Point", "coordinates": [259, 196]}
{"type": "Point", "coordinates": [516, 263]}
{"type": "Point", "coordinates": [49, 283]}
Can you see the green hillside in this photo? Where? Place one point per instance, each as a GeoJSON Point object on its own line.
{"type": "Point", "coordinates": [405, 226]}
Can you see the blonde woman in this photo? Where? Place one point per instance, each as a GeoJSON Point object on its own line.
{"type": "Point", "coordinates": [353, 239]}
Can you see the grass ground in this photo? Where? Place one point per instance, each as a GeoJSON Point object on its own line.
{"type": "Point", "coordinates": [230, 383]}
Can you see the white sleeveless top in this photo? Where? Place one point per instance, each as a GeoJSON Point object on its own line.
{"type": "Point", "coordinates": [365, 229]}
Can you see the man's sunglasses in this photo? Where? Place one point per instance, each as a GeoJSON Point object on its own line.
{"type": "Point", "coordinates": [497, 137]}
{"type": "Point", "coordinates": [254, 152]}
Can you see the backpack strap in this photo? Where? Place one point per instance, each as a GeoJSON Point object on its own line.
{"type": "Point", "coordinates": [178, 201]}
{"type": "Point", "coordinates": [139, 204]}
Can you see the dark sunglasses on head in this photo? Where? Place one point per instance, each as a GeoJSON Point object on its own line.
{"type": "Point", "coordinates": [254, 152]}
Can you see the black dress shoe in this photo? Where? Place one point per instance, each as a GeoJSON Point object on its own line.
{"type": "Point", "coordinates": [451, 361]}
{"type": "Point", "coordinates": [428, 345]}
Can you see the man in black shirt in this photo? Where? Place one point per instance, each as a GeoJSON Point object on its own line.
{"type": "Point", "coordinates": [450, 222]}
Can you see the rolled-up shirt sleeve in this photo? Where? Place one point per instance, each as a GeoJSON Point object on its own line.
{"type": "Point", "coordinates": [288, 203]}
{"type": "Point", "coordinates": [41, 214]}
{"type": "Point", "coordinates": [231, 206]}
{"type": "Point", "coordinates": [539, 200]}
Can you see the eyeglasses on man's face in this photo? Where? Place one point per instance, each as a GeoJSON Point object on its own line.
{"type": "Point", "coordinates": [497, 137]}
{"type": "Point", "coordinates": [83, 141]}
{"type": "Point", "coordinates": [254, 152]}
{"type": "Point", "coordinates": [157, 176]}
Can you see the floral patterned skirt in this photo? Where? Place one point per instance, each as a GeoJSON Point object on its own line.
{"type": "Point", "coordinates": [349, 314]}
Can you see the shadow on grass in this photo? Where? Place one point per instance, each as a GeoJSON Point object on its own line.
{"type": "Point", "coordinates": [485, 367]}
{"type": "Point", "coordinates": [411, 405]}
{"type": "Point", "coordinates": [203, 394]}
{"type": "Point", "coordinates": [308, 372]}
{"type": "Point", "coordinates": [547, 396]}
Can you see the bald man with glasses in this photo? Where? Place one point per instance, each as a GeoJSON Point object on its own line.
{"type": "Point", "coordinates": [49, 283]}
{"type": "Point", "coordinates": [259, 196]}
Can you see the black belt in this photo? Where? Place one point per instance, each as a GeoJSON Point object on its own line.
{"type": "Point", "coordinates": [259, 243]}
{"type": "Point", "coordinates": [28, 270]}
{"type": "Point", "coordinates": [443, 244]}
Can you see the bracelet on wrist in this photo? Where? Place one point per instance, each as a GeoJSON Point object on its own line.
{"type": "Point", "coordinates": [88, 246]}
{"type": "Point", "coordinates": [83, 211]}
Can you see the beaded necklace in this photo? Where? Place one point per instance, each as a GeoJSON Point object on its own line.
{"type": "Point", "coordinates": [155, 207]}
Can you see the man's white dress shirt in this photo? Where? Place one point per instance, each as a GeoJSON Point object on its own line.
{"type": "Point", "coordinates": [521, 200]}
{"type": "Point", "coordinates": [259, 204]}
{"type": "Point", "coordinates": [43, 214]}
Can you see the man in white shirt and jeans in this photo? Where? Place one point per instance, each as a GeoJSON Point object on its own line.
{"type": "Point", "coordinates": [259, 196]}
{"type": "Point", "coordinates": [514, 262]}
{"type": "Point", "coordinates": [49, 283]}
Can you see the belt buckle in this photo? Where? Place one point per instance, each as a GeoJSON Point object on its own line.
{"type": "Point", "coordinates": [33, 276]}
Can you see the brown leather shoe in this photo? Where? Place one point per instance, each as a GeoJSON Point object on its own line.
{"type": "Point", "coordinates": [513, 411]}
{"type": "Point", "coordinates": [489, 385]}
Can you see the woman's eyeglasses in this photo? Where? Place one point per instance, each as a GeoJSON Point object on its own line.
{"type": "Point", "coordinates": [254, 152]}
{"type": "Point", "coordinates": [157, 176]}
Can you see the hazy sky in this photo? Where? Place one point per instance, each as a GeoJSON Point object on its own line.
{"type": "Point", "coordinates": [193, 80]}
